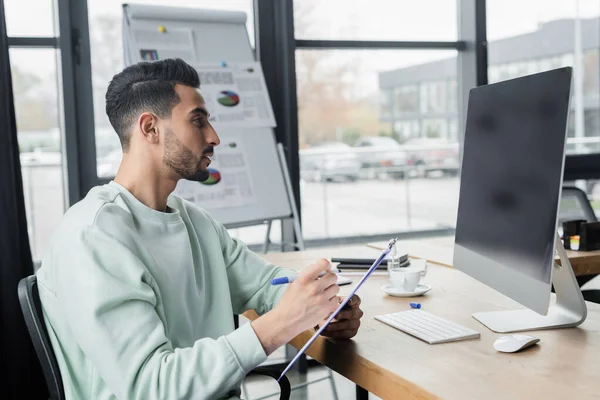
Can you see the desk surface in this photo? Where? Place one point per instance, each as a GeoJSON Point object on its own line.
{"type": "Point", "coordinates": [441, 251]}
{"type": "Point", "coordinates": [393, 365]}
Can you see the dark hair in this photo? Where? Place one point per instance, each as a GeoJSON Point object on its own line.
{"type": "Point", "coordinates": [146, 86]}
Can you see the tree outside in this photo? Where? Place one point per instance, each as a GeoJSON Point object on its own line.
{"type": "Point", "coordinates": [331, 107]}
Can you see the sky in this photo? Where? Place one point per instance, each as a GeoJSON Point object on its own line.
{"type": "Point", "coordinates": [332, 19]}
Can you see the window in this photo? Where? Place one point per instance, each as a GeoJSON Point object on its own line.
{"type": "Point", "coordinates": [452, 97]}
{"type": "Point", "coordinates": [435, 128]}
{"type": "Point", "coordinates": [105, 20]}
{"type": "Point", "coordinates": [551, 34]}
{"type": "Point", "coordinates": [407, 129]}
{"type": "Point", "coordinates": [406, 99]}
{"type": "Point", "coordinates": [453, 129]}
{"type": "Point", "coordinates": [386, 104]}
{"type": "Point", "coordinates": [376, 20]}
{"type": "Point", "coordinates": [35, 86]}
{"type": "Point", "coordinates": [590, 77]}
{"type": "Point", "coordinates": [30, 18]}
{"type": "Point", "coordinates": [339, 94]}
{"type": "Point", "coordinates": [547, 39]}
{"type": "Point", "coordinates": [434, 97]}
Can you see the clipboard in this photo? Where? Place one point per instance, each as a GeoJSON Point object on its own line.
{"type": "Point", "coordinates": [373, 267]}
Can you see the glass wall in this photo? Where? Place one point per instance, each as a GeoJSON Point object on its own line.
{"type": "Point", "coordinates": [544, 35]}
{"type": "Point", "coordinates": [38, 108]}
{"type": "Point", "coordinates": [377, 128]}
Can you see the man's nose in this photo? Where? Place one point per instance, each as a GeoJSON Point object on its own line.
{"type": "Point", "coordinates": [212, 138]}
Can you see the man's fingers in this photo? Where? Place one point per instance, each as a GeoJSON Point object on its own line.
{"type": "Point", "coordinates": [331, 291]}
{"type": "Point", "coordinates": [345, 325]}
{"type": "Point", "coordinates": [341, 334]}
{"type": "Point", "coordinates": [354, 301]}
{"type": "Point", "coordinates": [353, 313]}
{"type": "Point", "coordinates": [312, 272]}
{"type": "Point", "coordinates": [327, 281]}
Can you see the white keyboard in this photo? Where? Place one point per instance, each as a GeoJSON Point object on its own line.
{"type": "Point", "coordinates": [427, 327]}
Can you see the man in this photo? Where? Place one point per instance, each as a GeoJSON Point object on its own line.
{"type": "Point", "coordinates": [139, 287]}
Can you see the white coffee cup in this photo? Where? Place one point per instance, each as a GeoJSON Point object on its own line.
{"type": "Point", "coordinates": [406, 279]}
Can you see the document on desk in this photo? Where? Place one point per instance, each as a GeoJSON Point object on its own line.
{"type": "Point", "coordinates": [378, 261]}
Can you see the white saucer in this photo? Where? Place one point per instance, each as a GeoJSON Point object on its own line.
{"type": "Point", "coordinates": [419, 291]}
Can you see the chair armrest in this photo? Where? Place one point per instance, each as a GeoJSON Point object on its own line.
{"type": "Point", "coordinates": [284, 383]}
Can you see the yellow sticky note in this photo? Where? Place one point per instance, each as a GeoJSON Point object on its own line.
{"type": "Point", "coordinates": [162, 29]}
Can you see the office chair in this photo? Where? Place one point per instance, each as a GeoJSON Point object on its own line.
{"type": "Point", "coordinates": [281, 366]}
{"type": "Point", "coordinates": [34, 319]}
{"type": "Point", "coordinates": [31, 307]}
{"type": "Point", "coordinates": [574, 204]}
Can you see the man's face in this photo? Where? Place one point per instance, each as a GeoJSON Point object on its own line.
{"type": "Point", "coordinates": [189, 139]}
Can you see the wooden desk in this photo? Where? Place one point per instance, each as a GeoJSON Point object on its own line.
{"type": "Point", "coordinates": [441, 250]}
{"type": "Point", "coordinates": [393, 365]}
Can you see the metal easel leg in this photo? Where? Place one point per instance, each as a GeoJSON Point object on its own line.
{"type": "Point", "coordinates": [299, 244]}
{"type": "Point", "coordinates": [268, 237]}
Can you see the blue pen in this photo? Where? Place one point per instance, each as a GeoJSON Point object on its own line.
{"type": "Point", "coordinates": [415, 305]}
{"type": "Point", "coordinates": [289, 279]}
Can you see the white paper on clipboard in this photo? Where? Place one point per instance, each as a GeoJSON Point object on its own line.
{"type": "Point", "coordinates": [373, 267]}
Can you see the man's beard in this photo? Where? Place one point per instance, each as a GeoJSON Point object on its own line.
{"type": "Point", "coordinates": [181, 159]}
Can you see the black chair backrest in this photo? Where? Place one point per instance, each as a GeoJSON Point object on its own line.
{"type": "Point", "coordinates": [34, 319]}
{"type": "Point", "coordinates": [575, 205]}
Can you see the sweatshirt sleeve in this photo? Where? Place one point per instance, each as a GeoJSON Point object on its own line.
{"type": "Point", "coordinates": [109, 300]}
{"type": "Point", "coordinates": [249, 275]}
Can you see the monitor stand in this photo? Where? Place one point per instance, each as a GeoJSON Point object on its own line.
{"type": "Point", "coordinates": [568, 311]}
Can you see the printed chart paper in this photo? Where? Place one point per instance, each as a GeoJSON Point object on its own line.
{"type": "Point", "coordinates": [236, 95]}
{"type": "Point", "coordinates": [229, 183]}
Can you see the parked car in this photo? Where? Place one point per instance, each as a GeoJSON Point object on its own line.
{"type": "Point", "coordinates": [430, 154]}
{"type": "Point", "coordinates": [382, 156]}
{"type": "Point", "coordinates": [330, 161]}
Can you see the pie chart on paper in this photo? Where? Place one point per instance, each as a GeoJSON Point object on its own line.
{"type": "Point", "coordinates": [213, 178]}
{"type": "Point", "coordinates": [228, 98]}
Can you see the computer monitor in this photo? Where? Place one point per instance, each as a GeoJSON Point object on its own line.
{"type": "Point", "coordinates": [511, 179]}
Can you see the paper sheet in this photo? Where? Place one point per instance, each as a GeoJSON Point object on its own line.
{"type": "Point", "coordinates": [230, 183]}
{"type": "Point", "coordinates": [236, 95]}
{"type": "Point", "coordinates": [383, 254]}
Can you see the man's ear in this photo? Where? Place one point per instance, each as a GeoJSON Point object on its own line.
{"type": "Point", "coordinates": [148, 124]}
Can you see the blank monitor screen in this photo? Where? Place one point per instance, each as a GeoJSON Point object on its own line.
{"type": "Point", "coordinates": [511, 182]}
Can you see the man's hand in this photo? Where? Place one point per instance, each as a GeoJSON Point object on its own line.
{"type": "Point", "coordinates": [345, 325]}
{"type": "Point", "coordinates": [306, 301]}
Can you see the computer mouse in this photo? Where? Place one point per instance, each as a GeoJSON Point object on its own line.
{"type": "Point", "coordinates": [513, 343]}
